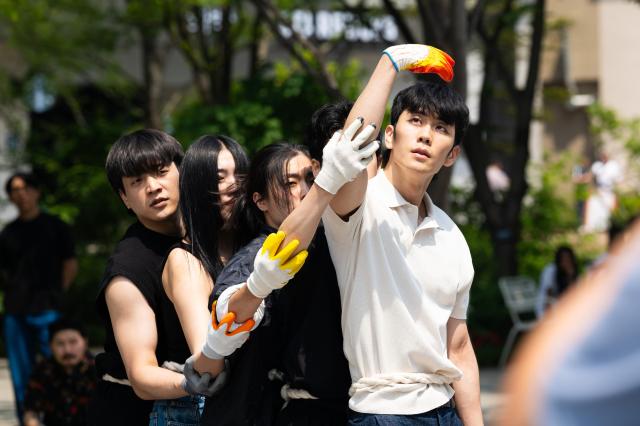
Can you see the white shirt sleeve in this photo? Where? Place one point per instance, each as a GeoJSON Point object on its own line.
{"type": "Point", "coordinates": [340, 231]}
{"type": "Point", "coordinates": [462, 298]}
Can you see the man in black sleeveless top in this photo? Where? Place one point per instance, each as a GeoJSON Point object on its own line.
{"type": "Point", "coordinates": [142, 167]}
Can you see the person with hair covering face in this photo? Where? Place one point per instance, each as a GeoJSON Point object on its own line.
{"type": "Point", "coordinates": [60, 387]}
{"type": "Point", "coordinates": [210, 175]}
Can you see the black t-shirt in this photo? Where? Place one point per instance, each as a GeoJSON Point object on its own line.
{"type": "Point", "coordinates": [31, 257]}
{"type": "Point", "coordinates": [139, 257]}
{"type": "Point", "coordinates": [300, 335]}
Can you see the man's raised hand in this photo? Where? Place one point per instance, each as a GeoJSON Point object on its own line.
{"type": "Point", "coordinates": [343, 158]}
{"type": "Point", "coordinates": [420, 58]}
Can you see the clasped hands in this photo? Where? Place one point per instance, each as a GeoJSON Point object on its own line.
{"type": "Point", "coordinates": [273, 268]}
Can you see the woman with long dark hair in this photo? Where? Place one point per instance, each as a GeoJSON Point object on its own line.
{"type": "Point", "coordinates": [210, 176]}
{"type": "Point", "coordinates": [279, 178]}
{"type": "Point", "coordinates": [556, 277]}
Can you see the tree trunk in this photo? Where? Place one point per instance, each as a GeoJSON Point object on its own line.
{"type": "Point", "coordinates": [457, 34]}
{"type": "Point", "coordinates": [153, 72]}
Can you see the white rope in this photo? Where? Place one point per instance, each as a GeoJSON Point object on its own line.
{"type": "Point", "coordinates": [173, 366]}
{"type": "Point", "coordinates": [110, 378]}
{"type": "Point", "coordinates": [372, 383]}
{"type": "Point", "coordinates": [287, 392]}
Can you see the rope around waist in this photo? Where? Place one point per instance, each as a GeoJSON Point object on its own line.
{"type": "Point", "coordinates": [287, 392]}
{"type": "Point", "coordinates": [373, 383]}
{"type": "Point", "coordinates": [169, 365]}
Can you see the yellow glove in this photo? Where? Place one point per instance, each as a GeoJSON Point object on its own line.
{"type": "Point", "coordinates": [274, 266]}
{"type": "Point", "coordinates": [420, 58]}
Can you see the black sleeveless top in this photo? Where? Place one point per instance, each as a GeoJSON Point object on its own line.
{"type": "Point", "coordinates": [139, 257]}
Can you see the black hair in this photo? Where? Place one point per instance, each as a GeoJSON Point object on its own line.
{"type": "Point", "coordinates": [432, 99]}
{"type": "Point", "coordinates": [325, 121]}
{"type": "Point", "coordinates": [563, 278]}
{"type": "Point", "coordinates": [64, 323]}
{"type": "Point", "coordinates": [200, 204]}
{"type": "Point", "coordinates": [140, 152]}
{"type": "Point", "coordinates": [29, 179]}
{"type": "Point", "coordinates": [268, 177]}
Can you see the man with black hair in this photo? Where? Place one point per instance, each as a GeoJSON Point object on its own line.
{"type": "Point", "coordinates": [142, 168]}
{"type": "Point", "coordinates": [60, 387]}
{"type": "Point", "coordinates": [37, 259]}
{"type": "Point", "coordinates": [404, 269]}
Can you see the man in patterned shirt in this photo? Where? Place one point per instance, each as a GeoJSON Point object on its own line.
{"type": "Point", "coordinates": [60, 387]}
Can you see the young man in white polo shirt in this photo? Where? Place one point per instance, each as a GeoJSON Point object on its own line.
{"type": "Point", "coordinates": [404, 269]}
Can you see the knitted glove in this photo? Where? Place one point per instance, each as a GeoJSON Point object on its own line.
{"type": "Point", "coordinates": [196, 384]}
{"type": "Point", "coordinates": [420, 58]}
{"type": "Point", "coordinates": [343, 159]}
{"type": "Point", "coordinates": [274, 266]}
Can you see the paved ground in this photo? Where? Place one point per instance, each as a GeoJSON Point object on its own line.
{"type": "Point", "coordinates": [489, 383]}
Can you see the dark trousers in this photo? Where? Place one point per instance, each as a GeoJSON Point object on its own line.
{"type": "Point", "coordinates": [445, 415]}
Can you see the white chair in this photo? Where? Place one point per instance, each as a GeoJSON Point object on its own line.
{"type": "Point", "coordinates": [520, 294]}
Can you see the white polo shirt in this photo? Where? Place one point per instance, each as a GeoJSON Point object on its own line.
{"type": "Point", "coordinates": [400, 282]}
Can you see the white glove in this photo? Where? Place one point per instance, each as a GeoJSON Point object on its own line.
{"type": "Point", "coordinates": [274, 266]}
{"type": "Point", "coordinates": [342, 158]}
{"type": "Point", "coordinates": [225, 336]}
{"type": "Point", "coordinates": [420, 58]}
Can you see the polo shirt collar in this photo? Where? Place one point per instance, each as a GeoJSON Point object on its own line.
{"type": "Point", "coordinates": [392, 199]}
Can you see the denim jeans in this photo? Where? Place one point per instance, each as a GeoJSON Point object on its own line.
{"type": "Point", "coordinates": [25, 336]}
{"type": "Point", "coordinates": [441, 416]}
{"type": "Point", "coordinates": [185, 411]}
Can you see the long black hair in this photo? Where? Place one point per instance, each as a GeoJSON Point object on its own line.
{"type": "Point", "coordinates": [200, 199]}
{"type": "Point", "coordinates": [268, 177]}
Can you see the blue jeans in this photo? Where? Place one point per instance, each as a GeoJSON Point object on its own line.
{"type": "Point", "coordinates": [441, 416]}
{"type": "Point", "coordinates": [25, 336]}
{"type": "Point", "coordinates": [185, 411]}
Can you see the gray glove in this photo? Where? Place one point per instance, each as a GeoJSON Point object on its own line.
{"type": "Point", "coordinates": [196, 384]}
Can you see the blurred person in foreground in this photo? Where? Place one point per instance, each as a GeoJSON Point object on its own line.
{"type": "Point", "coordinates": [580, 367]}
{"type": "Point", "coordinates": [60, 387]}
{"type": "Point", "coordinates": [37, 259]}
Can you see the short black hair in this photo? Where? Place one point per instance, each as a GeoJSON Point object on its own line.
{"type": "Point", "coordinates": [140, 152]}
{"type": "Point", "coordinates": [325, 121]}
{"type": "Point", "coordinates": [432, 99]}
{"type": "Point", "coordinates": [28, 178]}
{"type": "Point", "coordinates": [65, 323]}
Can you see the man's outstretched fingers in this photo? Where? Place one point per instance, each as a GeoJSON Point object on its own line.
{"type": "Point", "coordinates": [353, 128]}
{"type": "Point", "coordinates": [363, 136]}
{"type": "Point", "coordinates": [369, 150]}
